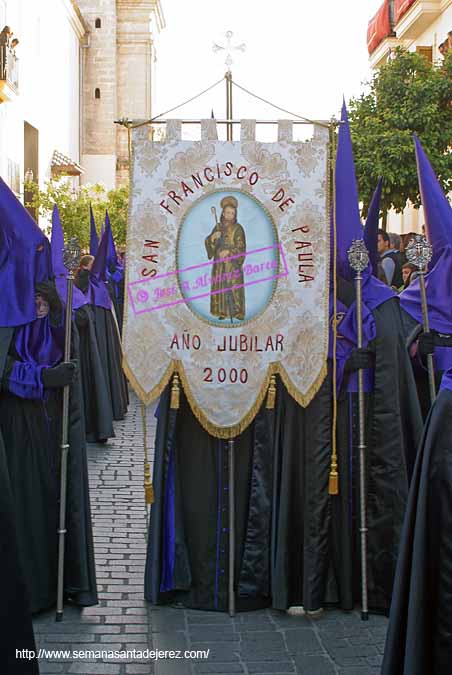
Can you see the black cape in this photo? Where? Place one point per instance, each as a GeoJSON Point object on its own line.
{"type": "Point", "coordinates": [116, 292]}
{"type": "Point", "coordinates": [295, 543]}
{"type": "Point", "coordinates": [301, 504]}
{"type": "Point", "coordinates": [316, 538]}
{"type": "Point", "coordinates": [191, 482]}
{"type": "Point", "coordinates": [108, 340]}
{"type": "Point", "coordinates": [97, 403]}
{"type": "Point", "coordinates": [16, 629]}
{"type": "Point", "coordinates": [419, 638]}
{"type": "Point", "coordinates": [393, 432]}
{"type": "Point", "coordinates": [32, 435]}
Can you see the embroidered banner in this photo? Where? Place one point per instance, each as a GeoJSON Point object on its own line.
{"type": "Point", "coordinates": [227, 269]}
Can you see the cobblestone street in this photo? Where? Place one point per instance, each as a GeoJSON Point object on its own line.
{"type": "Point", "coordinates": [261, 642]}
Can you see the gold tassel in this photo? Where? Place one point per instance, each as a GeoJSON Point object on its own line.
{"type": "Point", "coordinates": [333, 484]}
{"type": "Point", "coordinates": [271, 394]}
{"type": "Point", "coordinates": [148, 487]}
{"type": "Point", "coordinates": [175, 393]}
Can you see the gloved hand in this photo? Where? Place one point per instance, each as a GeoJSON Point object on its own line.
{"type": "Point", "coordinates": [345, 291]}
{"type": "Point", "coordinates": [360, 359]}
{"type": "Point", "coordinates": [81, 317]}
{"type": "Point", "coordinates": [82, 280]}
{"type": "Point", "coordinates": [60, 376]}
{"type": "Point", "coordinates": [426, 344]}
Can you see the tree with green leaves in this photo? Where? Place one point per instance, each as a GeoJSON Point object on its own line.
{"type": "Point", "coordinates": [73, 205]}
{"type": "Point", "coordinates": [406, 96]}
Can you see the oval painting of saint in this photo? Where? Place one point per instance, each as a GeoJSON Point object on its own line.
{"type": "Point", "coordinates": [227, 258]}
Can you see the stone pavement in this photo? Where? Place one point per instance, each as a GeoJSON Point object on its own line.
{"type": "Point", "coordinates": [253, 643]}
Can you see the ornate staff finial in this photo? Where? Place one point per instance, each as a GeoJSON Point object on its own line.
{"type": "Point", "coordinates": [229, 48]}
{"type": "Point", "coordinates": [358, 256]}
{"type": "Point", "coordinates": [72, 254]}
{"type": "Point", "coordinates": [419, 252]}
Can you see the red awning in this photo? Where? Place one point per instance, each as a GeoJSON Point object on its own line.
{"type": "Point", "coordinates": [379, 27]}
{"type": "Point", "coordinates": [401, 7]}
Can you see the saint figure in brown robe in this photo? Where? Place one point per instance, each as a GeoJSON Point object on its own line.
{"type": "Point", "coordinates": [227, 239]}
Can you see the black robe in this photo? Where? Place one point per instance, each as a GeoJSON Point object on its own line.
{"type": "Point", "coordinates": [108, 340]}
{"type": "Point", "coordinates": [97, 403]}
{"type": "Point", "coordinates": [419, 638]}
{"type": "Point", "coordinates": [301, 504]}
{"type": "Point", "coordinates": [316, 536]}
{"type": "Point", "coordinates": [16, 629]}
{"type": "Point", "coordinates": [31, 431]}
{"type": "Point", "coordinates": [109, 344]}
{"type": "Point", "coordinates": [191, 481]}
{"type": "Point", "coordinates": [393, 432]}
{"type": "Point", "coordinates": [116, 292]}
{"type": "Point", "coordinates": [295, 542]}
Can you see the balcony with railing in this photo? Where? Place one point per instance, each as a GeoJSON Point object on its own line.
{"type": "Point", "coordinates": [413, 17]}
{"type": "Point", "coordinates": [9, 74]}
{"type": "Point", "coordinates": [399, 23]}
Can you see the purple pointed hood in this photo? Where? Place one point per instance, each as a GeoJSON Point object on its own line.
{"type": "Point", "coordinates": [97, 293]}
{"type": "Point", "coordinates": [349, 228]}
{"type": "Point", "coordinates": [371, 228]}
{"type": "Point", "coordinates": [112, 256]}
{"type": "Point", "coordinates": [93, 237]}
{"type": "Point", "coordinates": [438, 225]}
{"type": "Point", "coordinates": [437, 211]}
{"type": "Point", "coordinates": [24, 260]}
{"type": "Point", "coordinates": [348, 221]}
{"type": "Point", "coordinates": [59, 270]}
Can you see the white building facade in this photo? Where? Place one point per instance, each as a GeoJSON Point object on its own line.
{"type": "Point", "coordinates": [79, 66]}
{"type": "Point", "coordinates": [40, 112]}
{"type": "Point", "coordinates": [415, 25]}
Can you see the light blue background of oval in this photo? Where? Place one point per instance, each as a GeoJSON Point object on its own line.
{"type": "Point", "coordinates": [259, 233]}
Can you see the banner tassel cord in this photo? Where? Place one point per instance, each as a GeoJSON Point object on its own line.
{"type": "Point", "coordinates": [148, 487]}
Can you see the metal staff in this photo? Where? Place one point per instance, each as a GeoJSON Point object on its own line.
{"type": "Point", "coordinates": [231, 463]}
{"type": "Point", "coordinates": [419, 254]}
{"type": "Point", "coordinates": [71, 257]}
{"type": "Point", "coordinates": [358, 258]}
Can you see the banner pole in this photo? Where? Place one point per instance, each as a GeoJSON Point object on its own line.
{"type": "Point", "coordinates": [231, 463]}
{"type": "Point", "coordinates": [229, 127]}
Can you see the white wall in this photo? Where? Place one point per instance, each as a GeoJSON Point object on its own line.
{"type": "Point", "coordinates": [48, 83]}
{"type": "Point", "coordinates": [100, 169]}
{"type": "Point", "coordinates": [435, 34]}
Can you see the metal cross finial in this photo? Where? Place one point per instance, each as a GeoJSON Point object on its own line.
{"type": "Point", "coordinates": [229, 48]}
{"type": "Point", "coordinates": [358, 256]}
{"type": "Point", "coordinates": [71, 254]}
{"type": "Point", "coordinates": [419, 252]}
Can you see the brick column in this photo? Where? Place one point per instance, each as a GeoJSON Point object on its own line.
{"type": "Point", "coordinates": [99, 73]}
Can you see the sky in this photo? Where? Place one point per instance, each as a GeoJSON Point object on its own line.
{"type": "Point", "coordinates": [303, 55]}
